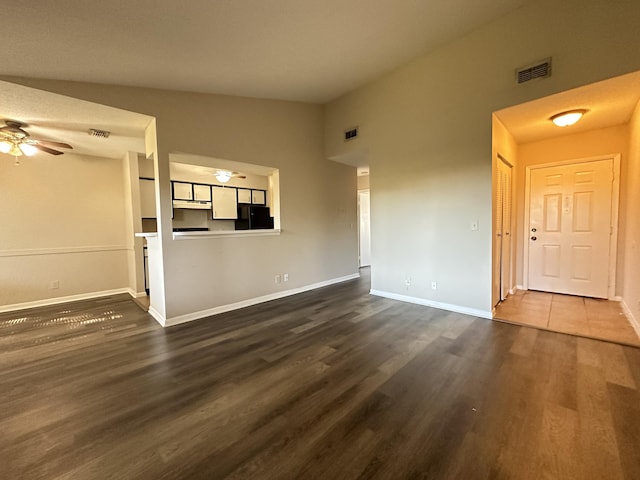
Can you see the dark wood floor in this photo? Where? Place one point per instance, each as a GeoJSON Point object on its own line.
{"type": "Point", "coordinates": [328, 384]}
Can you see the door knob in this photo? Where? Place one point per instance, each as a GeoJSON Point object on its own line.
{"type": "Point", "coordinates": [534, 238]}
{"type": "Point", "coordinates": [534, 230]}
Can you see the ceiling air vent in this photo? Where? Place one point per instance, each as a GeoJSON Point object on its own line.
{"type": "Point", "coordinates": [541, 69]}
{"type": "Point", "coordinates": [350, 134]}
{"type": "Point", "coordinates": [93, 132]}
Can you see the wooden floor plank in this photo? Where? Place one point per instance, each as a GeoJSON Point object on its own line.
{"type": "Point", "coordinates": [332, 383]}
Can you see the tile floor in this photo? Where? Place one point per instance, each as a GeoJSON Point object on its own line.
{"type": "Point", "coordinates": [586, 317]}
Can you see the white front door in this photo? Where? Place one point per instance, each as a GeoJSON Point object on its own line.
{"type": "Point", "coordinates": [569, 228]}
{"type": "Point", "coordinates": [365, 228]}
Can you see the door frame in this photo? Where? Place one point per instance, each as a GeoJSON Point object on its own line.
{"type": "Point", "coordinates": [510, 282]}
{"type": "Point", "coordinates": [368, 191]}
{"type": "Point", "coordinates": [613, 237]}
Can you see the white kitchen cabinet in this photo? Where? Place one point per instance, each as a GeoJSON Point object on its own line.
{"type": "Point", "coordinates": [258, 197]}
{"type": "Point", "coordinates": [147, 198]}
{"type": "Point", "coordinates": [244, 195]}
{"type": "Point", "coordinates": [182, 191]}
{"type": "Point", "coordinates": [202, 192]}
{"type": "Point", "coordinates": [225, 205]}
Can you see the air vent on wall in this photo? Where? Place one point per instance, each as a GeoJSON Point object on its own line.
{"type": "Point", "coordinates": [541, 69]}
{"type": "Point", "coordinates": [99, 133]}
{"type": "Point", "coordinates": [350, 134]}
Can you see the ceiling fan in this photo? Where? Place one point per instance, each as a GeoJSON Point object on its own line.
{"type": "Point", "coordinates": [16, 141]}
{"type": "Point", "coordinates": [224, 176]}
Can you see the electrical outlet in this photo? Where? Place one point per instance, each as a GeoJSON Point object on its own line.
{"type": "Point", "coordinates": [434, 285]}
{"type": "Point", "coordinates": [474, 225]}
{"type": "Point", "coordinates": [285, 277]}
{"type": "Point", "coordinates": [278, 279]}
{"type": "Point", "coordinates": [54, 284]}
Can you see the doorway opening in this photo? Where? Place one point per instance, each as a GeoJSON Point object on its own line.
{"type": "Point", "coordinates": [364, 218]}
{"type": "Point", "coordinates": [570, 254]}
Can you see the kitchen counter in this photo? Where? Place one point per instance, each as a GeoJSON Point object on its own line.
{"type": "Point", "coordinates": [215, 234]}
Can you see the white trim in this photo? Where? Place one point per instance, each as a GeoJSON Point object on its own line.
{"type": "Point", "coordinates": [615, 200]}
{"type": "Point", "coordinates": [62, 250]}
{"type": "Point", "coordinates": [520, 287]}
{"type": "Point", "coordinates": [157, 316]}
{"type": "Point", "coordinates": [635, 323]}
{"type": "Point", "coordinates": [431, 303]}
{"type": "Point", "coordinates": [57, 300]}
{"type": "Point", "coordinates": [135, 294]}
{"type": "Point", "coordinates": [188, 317]}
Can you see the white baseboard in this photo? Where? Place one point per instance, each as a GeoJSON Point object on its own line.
{"type": "Point", "coordinates": [519, 287]}
{"type": "Point", "coordinates": [57, 300]}
{"type": "Point", "coordinates": [157, 315]}
{"type": "Point", "coordinates": [188, 317]}
{"type": "Point", "coordinates": [135, 294]}
{"type": "Point", "coordinates": [431, 303]}
{"type": "Point", "coordinates": [635, 323]}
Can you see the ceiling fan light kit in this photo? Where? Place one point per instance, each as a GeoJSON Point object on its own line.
{"type": "Point", "coordinates": [16, 141]}
{"type": "Point", "coordinates": [223, 176]}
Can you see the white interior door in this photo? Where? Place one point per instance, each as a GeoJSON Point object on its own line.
{"type": "Point", "coordinates": [365, 228]}
{"type": "Point", "coordinates": [502, 281]}
{"type": "Point", "coordinates": [569, 228]}
{"type": "Point", "coordinates": [504, 175]}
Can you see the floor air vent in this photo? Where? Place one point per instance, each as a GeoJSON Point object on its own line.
{"type": "Point", "coordinates": [540, 69]}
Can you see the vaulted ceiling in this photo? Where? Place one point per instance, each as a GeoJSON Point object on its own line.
{"type": "Point", "coordinates": [303, 50]}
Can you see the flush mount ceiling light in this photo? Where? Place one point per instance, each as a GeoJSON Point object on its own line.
{"type": "Point", "coordinates": [567, 118]}
{"type": "Point", "coordinates": [223, 176]}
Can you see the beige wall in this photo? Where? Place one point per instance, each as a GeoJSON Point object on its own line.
{"type": "Point", "coordinates": [62, 218]}
{"type": "Point", "coordinates": [427, 130]}
{"type": "Point", "coordinates": [318, 197]}
{"type": "Point", "coordinates": [605, 141]}
{"type": "Point", "coordinates": [631, 288]}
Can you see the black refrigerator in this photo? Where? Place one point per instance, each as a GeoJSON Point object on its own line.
{"type": "Point", "coordinates": [253, 217]}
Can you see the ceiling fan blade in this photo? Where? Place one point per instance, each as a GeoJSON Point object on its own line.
{"type": "Point", "coordinates": [47, 143]}
{"type": "Point", "coordinates": [47, 149]}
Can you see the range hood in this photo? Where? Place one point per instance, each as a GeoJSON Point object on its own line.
{"type": "Point", "coordinates": [192, 204]}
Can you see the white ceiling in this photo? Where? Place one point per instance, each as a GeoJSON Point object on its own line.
{"type": "Point", "coordinates": [608, 103]}
{"type": "Point", "coordinates": [64, 119]}
{"type": "Point", "coordinates": [290, 49]}
{"type": "Point", "coordinates": [304, 50]}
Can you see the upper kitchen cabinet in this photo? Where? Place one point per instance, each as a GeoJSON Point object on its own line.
{"type": "Point", "coordinates": [252, 196]}
{"type": "Point", "coordinates": [258, 197]}
{"type": "Point", "coordinates": [202, 192]}
{"type": "Point", "coordinates": [182, 191]}
{"type": "Point", "coordinates": [244, 195]}
{"type": "Point", "coordinates": [225, 205]}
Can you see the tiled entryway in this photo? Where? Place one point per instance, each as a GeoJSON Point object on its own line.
{"type": "Point", "coordinates": [587, 317]}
